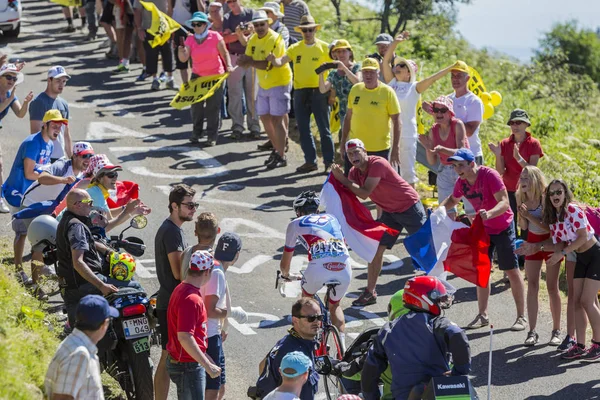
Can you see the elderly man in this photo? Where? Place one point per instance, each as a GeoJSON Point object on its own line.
{"type": "Point", "coordinates": [306, 321]}
{"type": "Point", "coordinates": [74, 372]}
{"type": "Point", "coordinates": [307, 56]}
{"type": "Point", "coordinates": [275, 83]}
{"type": "Point", "coordinates": [50, 100]}
{"type": "Point", "coordinates": [373, 177]}
{"type": "Point", "coordinates": [35, 151]}
{"type": "Point", "coordinates": [273, 12]}
{"type": "Point", "coordinates": [371, 107]}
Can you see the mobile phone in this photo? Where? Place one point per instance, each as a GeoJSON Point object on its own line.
{"type": "Point", "coordinates": [325, 67]}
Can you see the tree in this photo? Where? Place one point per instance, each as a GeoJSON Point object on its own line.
{"type": "Point", "coordinates": [395, 14]}
{"type": "Point", "coordinates": [580, 47]}
{"type": "Point", "coordinates": [338, 12]}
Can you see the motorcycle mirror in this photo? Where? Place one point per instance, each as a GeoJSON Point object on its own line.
{"type": "Point", "coordinates": [139, 222]}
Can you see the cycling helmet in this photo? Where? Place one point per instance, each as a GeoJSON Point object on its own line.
{"type": "Point", "coordinates": [425, 294]}
{"type": "Point", "coordinates": [122, 266]}
{"type": "Point", "coordinates": [42, 230]}
{"type": "Point", "coordinates": [306, 203]}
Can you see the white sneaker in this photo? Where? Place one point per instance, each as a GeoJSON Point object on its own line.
{"type": "Point", "coordinates": [48, 270]}
{"type": "Point", "coordinates": [3, 207]}
{"type": "Point", "coordinates": [105, 44]}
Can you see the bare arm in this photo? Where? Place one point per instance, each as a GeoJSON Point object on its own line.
{"type": "Point", "coordinates": [427, 82]}
{"type": "Point", "coordinates": [46, 178]}
{"type": "Point", "coordinates": [82, 269]}
{"type": "Point", "coordinates": [286, 261]}
{"type": "Point", "coordinates": [224, 55]}
{"type": "Point", "coordinates": [449, 202]}
{"type": "Point", "coordinates": [501, 207]}
{"type": "Point", "coordinates": [324, 86]}
{"type": "Point", "coordinates": [21, 110]}
{"type": "Point", "coordinates": [183, 53]}
{"type": "Point", "coordinates": [201, 6]}
{"type": "Point", "coordinates": [363, 191]}
{"type": "Point", "coordinates": [278, 62]}
{"type": "Point", "coordinates": [175, 263]}
{"type": "Point", "coordinates": [471, 127]}
{"type": "Point", "coordinates": [68, 142]}
{"type": "Point", "coordinates": [211, 307]}
{"type": "Point", "coordinates": [29, 169]}
{"type": "Point", "coordinates": [388, 74]}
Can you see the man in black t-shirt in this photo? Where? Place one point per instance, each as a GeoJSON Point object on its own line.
{"type": "Point", "coordinates": [169, 244]}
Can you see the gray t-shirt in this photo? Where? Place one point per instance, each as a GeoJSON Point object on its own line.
{"type": "Point", "coordinates": [169, 238]}
{"type": "Point", "coordinates": [37, 192]}
{"type": "Point", "coordinates": [39, 106]}
{"type": "Point", "coordinates": [146, 15]}
{"type": "Point", "coordinates": [231, 22]}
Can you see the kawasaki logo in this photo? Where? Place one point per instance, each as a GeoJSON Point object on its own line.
{"type": "Point", "coordinates": [454, 386]}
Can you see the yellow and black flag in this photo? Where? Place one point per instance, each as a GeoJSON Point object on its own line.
{"type": "Point", "coordinates": [162, 25]}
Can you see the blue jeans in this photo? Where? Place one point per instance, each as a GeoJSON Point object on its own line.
{"type": "Point", "coordinates": [189, 377]}
{"type": "Point", "coordinates": [307, 102]}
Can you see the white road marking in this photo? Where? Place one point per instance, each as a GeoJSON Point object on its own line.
{"type": "Point", "coordinates": [250, 265]}
{"type": "Point", "coordinates": [102, 130]}
{"type": "Point", "coordinates": [144, 272]}
{"type": "Point", "coordinates": [394, 262]}
{"type": "Point", "coordinates": [266, 320]}
{"type": "Point", "coordinates": [245, 227]}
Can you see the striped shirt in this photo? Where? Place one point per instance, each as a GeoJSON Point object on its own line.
{"type": "Point", "coordinates": [75, 369]}
{"type": "Point", "coordinates": [293, 13]}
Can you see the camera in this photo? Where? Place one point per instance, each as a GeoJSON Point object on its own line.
{"type": "Point", "coordinates": [244, 26]}
{"type": "Point", "coordinates": [325, 67]}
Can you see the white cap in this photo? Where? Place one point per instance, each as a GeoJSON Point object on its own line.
{"type": "Point", "coordinates": [58, 72]}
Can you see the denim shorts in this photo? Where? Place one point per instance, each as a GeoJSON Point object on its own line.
{"type": "Point", "coordinates": [215, 351]}
{"type": "Point", "coordinates": [504, 243]}
{"type": "Point", "coordinates": [275, 101]}
{"type": "Point", "coordinates": [412, 220]}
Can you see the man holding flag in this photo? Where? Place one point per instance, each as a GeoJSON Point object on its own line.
{"type": "Point", "coordinates": [373, 177]}
{"type": "Point", "coordinates": [483, 188]}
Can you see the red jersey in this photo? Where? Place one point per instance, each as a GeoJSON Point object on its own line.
{"type": "Point", "coordinates": [528, 147]}
{"type": "Point", "coordinates": [186, 313]}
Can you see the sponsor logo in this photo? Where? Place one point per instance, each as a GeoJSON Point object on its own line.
{"type": "Point", "coordinates": [334, 266]}
{"type": "Point", "coordinates": [356, 100]}
{"type": "Point", "coordinates": [375, 103]}
{"type": "Point", "coordinates": [441, 386]}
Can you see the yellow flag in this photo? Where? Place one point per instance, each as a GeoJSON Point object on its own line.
{"type": "Point", "coordinates": [68, 3]}
{"type": "Point", "coordinates": [420, 123]}
{"type": "Point", "coordinates": [476, 83]}
{"type": "Point", "coordinates": [197, 90]}
{"type": "Point", "coordinates": [334, 117]}
{"type": "Point", "coordinates": [162, 25]}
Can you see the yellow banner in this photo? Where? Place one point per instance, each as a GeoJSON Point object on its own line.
{"type": "Point", "coordinates": [420, 122]}
{"type": "Point", "coordinates": [197, 90]}
{"type": "Point", "coordinates": [476, 83]}
{"type": "Point", "coordinates": [68, 3]}
{"type": "Point", "coordinates": [162, 25]}
{"type": "Point", "coordinates": [334, 117]}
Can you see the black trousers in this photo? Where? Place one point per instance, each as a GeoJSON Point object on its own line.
{"type": "Point", "coordinates": [166, 53]}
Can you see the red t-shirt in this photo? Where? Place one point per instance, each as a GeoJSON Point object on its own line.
{"type": "Point", "coordinates": [450, 141]}
{"type": "Point", "coordinates": [528, 147]}
{"type": "Point", "coordinates": [186, 313]}
{"type": "Point", "coordinates": [393, 194]}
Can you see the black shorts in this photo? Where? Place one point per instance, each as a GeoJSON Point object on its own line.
{"type": "Point", "coordinates": [107, 14]}
{"type": "Point", "coordinates": [215, 351]}
{"type": "Point", "coordinates": [163, 329]}
{"type": "Point", "coordinates": [505, 246]}
{"type": "Point", "coordinates": [179, 33]}
{"type": "Point", "coordinates": [588, 264]}
{"type": "Point", "coordinates": [412, 220]}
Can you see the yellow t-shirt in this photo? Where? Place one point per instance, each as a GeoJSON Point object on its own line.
{"type": "Point", "coordinates": [371, 110]}
{"type": "Point", "coordinates": [259, 49]}
{"type": "Point", "coordinates": [306, 59]}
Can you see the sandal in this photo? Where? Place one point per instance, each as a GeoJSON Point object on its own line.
{"type": "Point", "coordinates": [479, 322]}
{"type": "Point", "coordinates": [532, 338]}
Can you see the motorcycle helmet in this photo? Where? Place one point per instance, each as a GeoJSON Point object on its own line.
{"type": "Point", "coordinates": [42, 230]}
{"type": "Point", "coordinates": [306, 203]}
{"type": "Point", "coordinates": [425, 294]}
{"type": "Point", "coordinates": [122, 266]}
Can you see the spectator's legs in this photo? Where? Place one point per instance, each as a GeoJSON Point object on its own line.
{"type": "Point", "coordinates": [570, 267]}
{"type": "Point", "coordinates": [213, 115]}
{"type": "Point", "coordinates": [90, 11]}
{"type": "Point", "coordinates": [161, 378]}
{"type": "Point", "coordinates": [580, 315]}
{"type": "Point", "coordinates": [533, 270]}
{"type": "Point", "coordinates": [320, 109]}
{"type": "Point", "coordinates": [166, 53]}
{"type": "Point", "coordinates": [589, 302]}
{"type": "Point", "coordinates": [69, 17]}
{"type": "Point", "coordinates": [302, 110]}
{"type": "Point", "coordinates": [483, 297]}
{"type": "Point", "coordinates": [250, 90]}
{"type": "Point", "coordinates": [374, 269]}
{"type": "Point", "coordinates": [235, 88]}
{"type": "Point", "coordinates": [151, 57]}
{"type": "Point", "coordinates": [197, 110]}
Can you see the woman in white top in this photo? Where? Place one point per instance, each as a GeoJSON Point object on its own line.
{"type": "Point", "coordinates": [403, 79]}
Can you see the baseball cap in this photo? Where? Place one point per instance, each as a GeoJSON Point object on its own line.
{"type": "Point", "coordinates": [82, 148]}
{"type": "Point", "coordinates": [201, 260]}
{"type": "Point", "coordinates": [99, 162]}
{"type": "Point", "coordinates": [384, 38]}
{"type": "Point", "coordinates": [519, 115]}
{"type": "Point", "coordinates": [93, 310]}
{"type": "Point", "coordinates": [370, 64]}
{"type": "Point", "coordinates": [460, 66]}
{"type": "Point", "coordinates": [228, 246]}
{"type": "Point", "coordinates": [58, 72]}
{"type": "Point", "coordinates": [55, 116]}
{"type": "Point", "coordinates": [462, 155]}
{"type": "Point", "coordinates": [354, 143]}
{"type": "Point", "coordinates": [294, 364]}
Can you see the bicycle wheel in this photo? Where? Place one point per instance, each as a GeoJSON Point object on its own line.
{"type": "Point", "coordinates": [335, 350]}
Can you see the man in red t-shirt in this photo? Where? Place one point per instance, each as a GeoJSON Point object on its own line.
{"type": "Point", "coordinates": [374, 177]}
{"type": "Point", "coordinates": [515, 153]}
{"type": "Point", "coordinates": [187, 363]}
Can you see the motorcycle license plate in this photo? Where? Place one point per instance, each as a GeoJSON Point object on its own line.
{"type": "Point", "coordinates": [141, 345]}
{"type": "Point", "coordinates": [136, 327]}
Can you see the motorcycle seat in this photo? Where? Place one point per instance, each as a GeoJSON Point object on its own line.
{"type": "Point", "coordinates": [126, 291]}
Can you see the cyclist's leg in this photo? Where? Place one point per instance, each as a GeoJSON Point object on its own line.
{"type": "Point", "coordinates": [337, 268]}
{"type": "Point", "coordinates": [312, 279]}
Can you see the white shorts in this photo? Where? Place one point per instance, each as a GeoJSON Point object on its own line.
{"type": "Point", "coordinates": [326, 269]}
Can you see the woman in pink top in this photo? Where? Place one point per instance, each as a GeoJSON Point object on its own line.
{"type": "Point", "coordinates": [445, 138]}
{"type": "Point", "coordinates": [209, 57]}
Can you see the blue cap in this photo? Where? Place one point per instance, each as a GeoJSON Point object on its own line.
{"type": "Point", "coordinates": [228, 246]}
{"type": "Point", "coordinates": [295, 364]}
{"type": "Point", "coordinates": [462, 155]}
{"type": "Point", "coordinates": [198, 16]}
{"type": "Point", "coordinates": [93, 310]}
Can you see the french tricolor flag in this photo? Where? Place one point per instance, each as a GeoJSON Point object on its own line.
{"type": "Point", "coordinates": [361, 231]}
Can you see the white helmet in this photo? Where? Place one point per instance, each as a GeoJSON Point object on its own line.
{"type": "Point", "coordinates": [42, 230]}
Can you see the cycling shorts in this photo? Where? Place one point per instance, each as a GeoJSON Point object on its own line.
{"type": "Point", "coordinates": [325, 269]}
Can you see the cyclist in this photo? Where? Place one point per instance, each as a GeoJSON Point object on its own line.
{"type": "Point", "coordinates": [417, 344]}
{"type": "Point", "coordinates": [321, 235]}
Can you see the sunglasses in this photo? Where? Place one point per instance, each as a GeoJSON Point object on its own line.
{"type": "Point", "coordinates": [112, 175]}
{"type": "Point", "coordinates": [439, 110]}
{"type": "Point", "coordinates": [511, 123]}
{"type": "Point", "coordinates": [86, 156]}
{"type": "Point", "coordinates": [558, 192]}
{"type": "Point", "coordinates": [312, 318]}
{"type": "Point", "coordinates": [10, 78]}
{"type": "Point", "coordinates": [259, 24]}
{"type": "Point", "coordinates": [90, 202]}
{"type": "Point", "coordinates": [198, 24]}
{"type": "Point", "coordinates": [308, 30]}
{"type": "Point", "coordinates": [191, 206]}
{"type": "Point", "coordinates": [402, 65]}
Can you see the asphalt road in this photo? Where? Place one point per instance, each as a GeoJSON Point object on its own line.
{"type": "Point", "coordinates": [136, 128]}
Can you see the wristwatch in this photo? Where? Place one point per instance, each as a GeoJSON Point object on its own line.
{"type": "Point", "coordinates": [542, 248]}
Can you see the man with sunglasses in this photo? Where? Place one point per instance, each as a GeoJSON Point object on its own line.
{"type": "Point", "coordinates": [307, 56]}
{"type": "Point", "coordinates": [306, 321]}
{"type": "Point", "coordinates": [169, 244]}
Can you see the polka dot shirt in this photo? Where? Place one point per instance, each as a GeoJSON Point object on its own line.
{"type": "Point", "coordinates": [566, 231]}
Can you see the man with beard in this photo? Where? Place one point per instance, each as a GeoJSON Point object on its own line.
{"type": "Point", "coordinates": [50, 100]}
{"type": "Point", "coordinates": [169, 244]}
{"type": "Point", "coordinates": [34, 152]}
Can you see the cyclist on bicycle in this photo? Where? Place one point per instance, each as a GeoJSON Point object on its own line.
{"type": "Point", "coordinates": [321, 235]}
{"type": "Point", "coordinates": [417, 345]}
